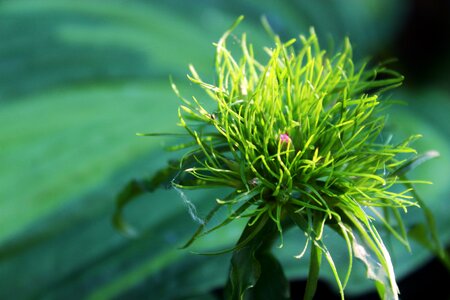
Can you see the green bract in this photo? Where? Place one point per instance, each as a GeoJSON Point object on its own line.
{"type": "Point", "coordinates": [299, 139]}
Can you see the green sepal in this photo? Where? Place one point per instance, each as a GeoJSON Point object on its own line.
{"type": "Point", "coordinates": [245, 197]}
{"type": "Point", "coordinates": [200, 229]}
{"type": "Point", "coordinates": [255, 273]}
{"type": "Point", "coordinates": [272, 282]}
{"type": "Point", "coordinates": [414, 162]}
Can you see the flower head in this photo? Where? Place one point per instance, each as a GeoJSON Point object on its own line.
{"type": "Point", "coordinates": [337, 171]}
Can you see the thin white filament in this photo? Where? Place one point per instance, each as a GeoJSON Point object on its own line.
{"type": "Point", "coordinates": [192, 210]}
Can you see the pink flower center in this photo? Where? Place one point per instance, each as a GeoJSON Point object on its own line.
{"type": "Point", "coordinates": [284, 137]}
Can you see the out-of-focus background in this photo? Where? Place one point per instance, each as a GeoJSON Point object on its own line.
{"type": "Point", "coordinates": [78, 79]}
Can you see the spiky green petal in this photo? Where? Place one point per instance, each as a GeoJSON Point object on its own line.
{"type": "Point", "coordinates": [299, 137]}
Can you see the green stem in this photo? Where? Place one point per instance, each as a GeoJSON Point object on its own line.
{"type": "Point", "coordinates": [313, 275]}
{"type": "Point", "coordinates": [436, 246]}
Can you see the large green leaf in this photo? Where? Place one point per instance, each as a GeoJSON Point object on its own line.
{"type": "Point", "coordinates": [98, 75]}
{"type": "Point", "coordinates": [79, 78]}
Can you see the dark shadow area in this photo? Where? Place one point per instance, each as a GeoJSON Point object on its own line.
{"type": "Point", "coordinates": [433, 276]}
{"type": "Point", "coordinates": [423, 44]}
